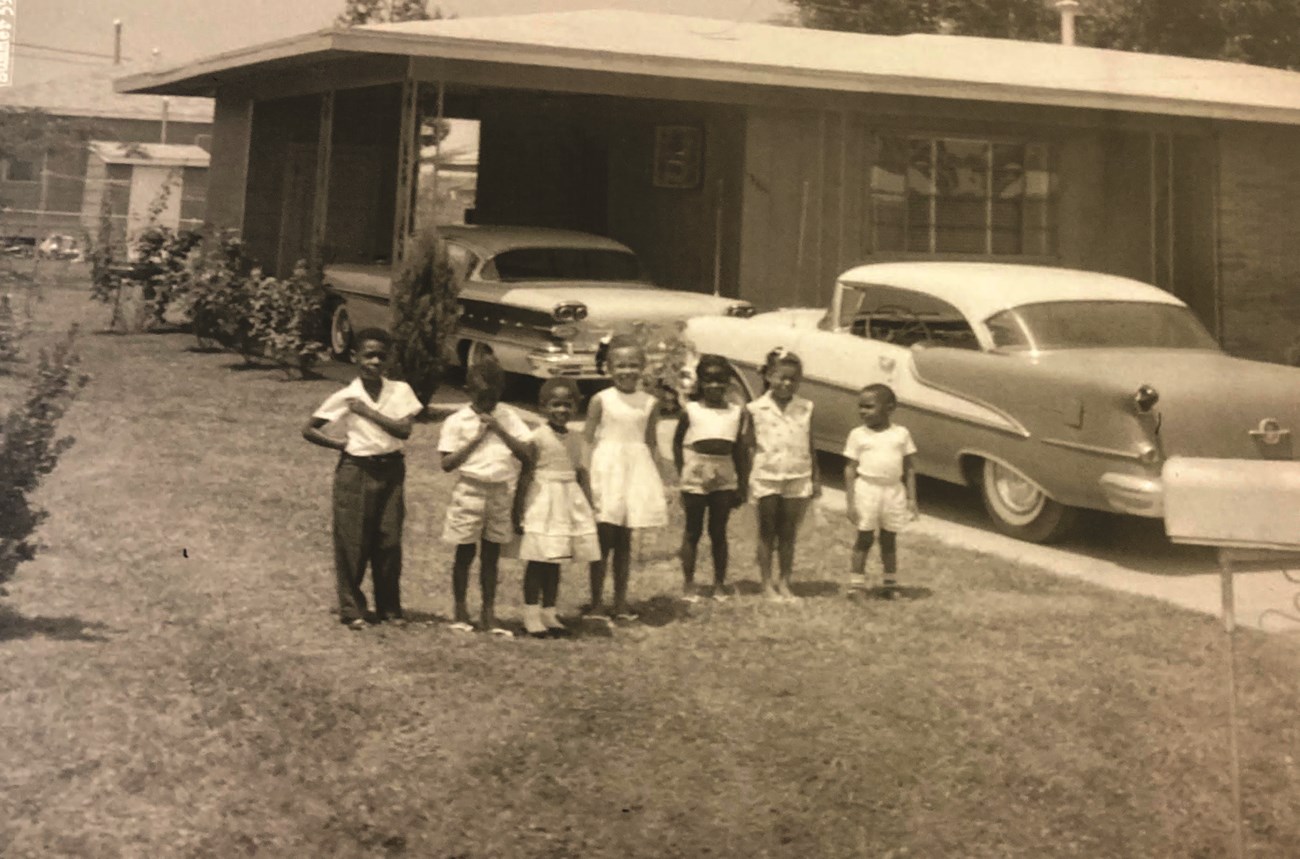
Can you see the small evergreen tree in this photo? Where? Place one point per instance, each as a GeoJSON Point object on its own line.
{"type": "Point", "coordinates": [424, 314]}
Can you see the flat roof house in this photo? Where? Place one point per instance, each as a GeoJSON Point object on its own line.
{"type": "Point", "coordinates": [760, 161]}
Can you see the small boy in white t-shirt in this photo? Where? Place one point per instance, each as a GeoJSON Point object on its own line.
{"type": "Point", "coordinates": [485, 444]}
{"type": "Point", "coordinates": [369, 420]}
{"type": "Point", "coordinates": [880, 484]}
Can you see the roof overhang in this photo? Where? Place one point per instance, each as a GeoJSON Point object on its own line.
{"type": "Point", "coordinates": [1142, 84]}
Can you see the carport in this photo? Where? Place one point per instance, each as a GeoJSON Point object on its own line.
{"type": "Point", "coordinates": [760, 161]}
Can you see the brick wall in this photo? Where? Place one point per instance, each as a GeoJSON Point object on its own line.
{"type": "Point", "coordinates": [1259, 239]}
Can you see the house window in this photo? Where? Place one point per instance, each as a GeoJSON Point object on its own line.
{"type": "Point", "coordinates": [20, 170]}
{"type": "Point", "coordinates": [961, 196]}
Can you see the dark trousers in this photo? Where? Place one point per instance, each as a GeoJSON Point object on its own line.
{"type": "Point", "coordinates": [368, 512]}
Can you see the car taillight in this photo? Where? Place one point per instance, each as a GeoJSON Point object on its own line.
{"type": "Point", "coordinates": [744, 310]}
{"type": "Point", "coordinates": [570, 312]}
{"type": "Point", "coordinates": [1145, 399]}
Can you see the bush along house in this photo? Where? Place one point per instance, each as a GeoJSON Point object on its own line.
{"type": "Point", "coordinates": [760, 161]}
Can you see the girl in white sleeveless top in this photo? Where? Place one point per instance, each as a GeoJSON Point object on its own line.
{"type": "Point", "coordinates": [713, 468]}
{"type": "Point", "coordinates": [626, 489]}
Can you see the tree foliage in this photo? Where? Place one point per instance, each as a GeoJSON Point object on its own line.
{"type": "Point", "coordinates": [28, 133]}
{"type": "Point", "coordinates": [1264, 32]}
{"type": "Point", "coordinates": [356, 12]}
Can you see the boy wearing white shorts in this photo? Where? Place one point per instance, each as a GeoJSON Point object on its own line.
{"type": "Point", "coordinates": [880, 484]}
{"type": "Point", "coordinates": [484, 444]}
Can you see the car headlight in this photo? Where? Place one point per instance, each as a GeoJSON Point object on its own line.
{"type": "Point", "coordinates": [743, 309]}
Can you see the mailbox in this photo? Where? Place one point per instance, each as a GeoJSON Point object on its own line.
{"type": "Point", "coordinates": [1237, 503]}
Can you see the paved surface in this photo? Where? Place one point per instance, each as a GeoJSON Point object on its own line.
{"type": "Point", "coordinates": [1121, 553]}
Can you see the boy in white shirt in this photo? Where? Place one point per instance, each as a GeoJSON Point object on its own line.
{"type": "Point", "coordinates": [484, 443]}
{"type": "Point", "coordinates": [375, 416]}
{"type": "Point", "coordinates": [879, 483]}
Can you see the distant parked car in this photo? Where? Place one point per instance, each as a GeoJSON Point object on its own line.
{"type": "Point", "coordinates": [60, 246]}
{"type": "Point", "coordinates": [539, 299]}
{"type": "Point", "coordinates": [1049, 389]}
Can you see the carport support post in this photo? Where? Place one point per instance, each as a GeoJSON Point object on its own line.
{"type": "Point", "coordinates": [1234, 753]}
{"type": "Point", "coordinates": [408, 165]}
{"type": "Point", "coordinates": [321, 197]}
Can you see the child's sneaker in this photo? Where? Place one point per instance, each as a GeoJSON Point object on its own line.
{"type": "Point", "coordinates": [857, 582]}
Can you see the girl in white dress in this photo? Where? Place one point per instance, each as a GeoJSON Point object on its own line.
{"type": "Point", "coordinates": [626, 488]}
{"type": "Point", "coordinates": [553, 508]}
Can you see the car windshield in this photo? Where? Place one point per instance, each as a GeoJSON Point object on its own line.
{"type": "Point", "coordinates": [1097, 325]}
{"type": "Point", "coordinates": [525, 264]}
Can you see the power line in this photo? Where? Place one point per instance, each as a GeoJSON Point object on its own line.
{"type": "Point", "coordinates": [57, 49]}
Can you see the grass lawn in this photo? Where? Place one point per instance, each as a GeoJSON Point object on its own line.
{"type": "Point", "coordinates": [172, 682]}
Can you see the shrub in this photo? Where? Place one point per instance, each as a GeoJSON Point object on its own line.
{"type": "Point", "coordinates": [12, 329]}
{"type": "Point", "coordinates": [287, 322]}
{"type": "Point", "coordinates": [424, 314]}
{"type": "Point", "coordinates": [161, 268]}
{"type": "Point", "coordinates": [214, 295]}
{"type": "Point", "coordinates": [29, 450]}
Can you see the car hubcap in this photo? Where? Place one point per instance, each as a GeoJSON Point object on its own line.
{"type": "Point", "coordinates": [1018, 500]}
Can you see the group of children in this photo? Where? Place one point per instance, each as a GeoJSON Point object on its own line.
{"type": "Point", "coordinates": [548, 497]}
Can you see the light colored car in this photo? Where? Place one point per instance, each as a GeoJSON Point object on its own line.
{"type": "Point", "coordinates": [1050, 389]}
{"type": "Point", "coordinates": [539, 299]}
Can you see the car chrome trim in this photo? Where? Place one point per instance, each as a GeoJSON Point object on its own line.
{"type": "Point", "coordinates": [1013, 427]}
{"type": "Point", "coordinates": [1134, 456]}
{"type": "Point", "coordinates": [1133, 494]}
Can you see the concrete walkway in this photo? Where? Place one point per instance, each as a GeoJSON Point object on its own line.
{"type": "Point", "coordinates": [1190, 580]}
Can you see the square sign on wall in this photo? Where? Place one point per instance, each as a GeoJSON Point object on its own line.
{"type": "Point", "coordinates": [679, 156]}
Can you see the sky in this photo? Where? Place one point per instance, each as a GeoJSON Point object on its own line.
{"type": "Point", "coordinates": [185, 29]}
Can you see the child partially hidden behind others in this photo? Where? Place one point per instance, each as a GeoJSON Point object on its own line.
{"type": "Point", "coordinates": [375, 416]}
{"type": "Point", "coordinates": [880, 484]}
{"type": "Point", "coordinates": [484, 443]}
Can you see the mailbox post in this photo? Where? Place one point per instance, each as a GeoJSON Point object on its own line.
{"type": "Point", "coordinates": [1250, 512]}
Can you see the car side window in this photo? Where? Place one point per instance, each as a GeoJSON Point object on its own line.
{"type": "Point", "coordinates": [907, 318]}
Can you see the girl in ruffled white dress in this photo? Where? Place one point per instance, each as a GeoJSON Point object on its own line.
{"type": "Point", "coordinates": [553, 508]}
{"type": "Point", "coordinates": [626, 488]}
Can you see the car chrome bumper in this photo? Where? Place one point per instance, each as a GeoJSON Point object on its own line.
{"type": "Point", "coordinates": [546, 363]}
{"type": "Point", "coordinates": [1134, 494]}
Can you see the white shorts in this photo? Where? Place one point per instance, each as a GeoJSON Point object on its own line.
{"type": "Point", "coordinates": [479, 511]}
{"type": "Point", "coordinates": [881, 505]}
{"type": "Point", "coordinates": [793, 487]}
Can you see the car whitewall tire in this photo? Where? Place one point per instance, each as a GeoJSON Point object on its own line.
{"type": "Point", "coordinates": [340, 333]}
{"type": "Point", "coordinates": [1019, 508]}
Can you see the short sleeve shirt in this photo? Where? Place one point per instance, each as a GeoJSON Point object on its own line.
{"type": "Point", "coordinates": [879, 454]}
{"type": "Point", "coordinates": [491, 461]}
{"type": "Point", "coordinates": [364, 436]}
{"type": "Point", "coordinates": [781, 438]}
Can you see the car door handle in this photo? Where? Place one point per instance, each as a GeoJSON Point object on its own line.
{"type": "Point", "coordinates": [886, 363]}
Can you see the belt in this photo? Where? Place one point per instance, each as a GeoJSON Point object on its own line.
{"type": "Point", "coordinates": [554, 476]}
{"type": "Point", "coordinates": [379, 459]}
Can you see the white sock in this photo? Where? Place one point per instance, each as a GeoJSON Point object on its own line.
{"type": "Point", "coordinates": [533, 619]}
